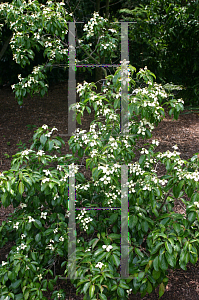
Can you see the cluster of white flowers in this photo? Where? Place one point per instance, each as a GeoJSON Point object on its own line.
{"type": "Point", "coordinates": [188, 175]}
{"type": "Point", "coordinates": [107, 247]}
{"type": "Point", "coordinates": [93, 21]}
{"type": "Point", "coordinates": [83, 186]}
{"type": "Point", "coordinates": [55, 230]}
{"type": "Point", "coordinates": [47, 172]}
{"type": "Point", "coordinates": [168, 154]}
{"type": "Point", "coordinates": [21, 247]}
{"type": "Point", "coordinates": [112, 195]}
{"type": "Point", "coordinates": [144, 151]}
{"type": "Point", "coordinates": [84, 221]}
{"type": "Point", "coordinates": [81, 88]}
{"type": "Point", "coordinates": [135, 168]}
{"type": "Point", "coordinates": [73, 169]}
{"type": "Point", "coordinates": [51, 247]}
{"type": "Point", "coordinates": [108, 170]}
{"type": "Point", "coordinates": [99, 265]}
{"type": "Point", "coordinates": [26, 152]}
{"type": "Point", "coordinates": [61, 239]}
{"type": "Point", "coordinates": [50, 132]}
{"type": "Point", "coordinates": [142, 128]}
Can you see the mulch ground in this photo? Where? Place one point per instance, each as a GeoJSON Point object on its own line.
{"type": "Point", "coordinates": [52, 110]}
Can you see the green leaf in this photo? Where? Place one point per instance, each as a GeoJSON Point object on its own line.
{"type": "Point", "coordinates": [156, 263]}
{"type": "Point", "coordinates": [88, 109]}
{"type": "Point", "coordinates": [38, 224]}
{"type": "Point", "coordinates": [156, 248]}
{"type": "Point", "coordinates": [161, 289]}
{"type": "Point", "coordinates": [156, 274]}
{"type": "Point", "coordinates": [43, 139]}
{"type": "Point", "coordinates": [170, 259]}
{"type": "Point", "coordinates": [114, 236]}
{"type": "Point", "coordinates": [102, 297]}
{"type": "Point", "coordinates": [168, 247]}
{"type": "Point", "coordinates": [120, 292]}
{"type": "Point", "coordinates": [78, 118]}
{"type": "Point", "coordinates": [38, 237]}
{"type": "Point", "coordinates": [133, 221]}
{"type": "Point", "coordinates": [149, 287]}
{"type": "Point", "coordinates": [21, 187]}
{"type": "Point", "coordinates": [142, 159]}
{"type": "Point", "coordinates": [113, 218]}
{"type": "Point", "coordinates": [101, 256]}
{"type": "Point", "coordinates": [86, 286]}
{"type": "Point", "coordinates": [16, 284]}
{"type": "Point", "coordinates": [91, 291]}
{"type": "Point", "coordinates": [116, 260]}
{"type": "Point", "coordinates": [144, 226]}
{"type": "Point", "coordinates": [162, 262]}
{"type": "Point", "coordinates": [141, 276]}
{"type": "Point", "coordinates": [8, 186]}
{"type": "Point", "coordinates": [192, 216]}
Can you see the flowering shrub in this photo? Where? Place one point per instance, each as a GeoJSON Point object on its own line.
{"type": "Point", "coordinates": [43, 28]}
{"type": "Point", "coordinates": [37, 186]}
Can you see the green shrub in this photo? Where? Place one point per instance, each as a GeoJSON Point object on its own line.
{"type": "Point", "coordinates": [37, 185]}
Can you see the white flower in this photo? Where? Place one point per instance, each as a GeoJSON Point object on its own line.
{"type": "Point", "coordinates": [23, 205]}
{"type": "Point", "coordinates": [45, 180]}
{"type": "Point", "coordinates": [52, 241]}
{"type": "Point", "coordinates": [155, 142]}
{"type": "Point", "coordinates": [61, 239]}
{"type": "Point", "coordinates": [40, 152]}
{"type": "Point", "coordinates": [4, 263]}
{"type": "Point", "coordinates": [16, 225]}
{"type": "Point", "coordinates": [55, 230]}
{"type": "Point", "coordinates": [40, 276]}
{"type": "Point", "coordinates": [59, 167]}
{"type": "Point", "coordinates": [23, 246]}
{"type": "Point", "coordinates": [45, 126]}
{"type": "Point", "coordinates": [23, 236]}
{"type": "Point", "coordinates": [43, 215]}
{"type": "Point", "coordinates": [47, 172]}
{"type": "Point", "coordinates": [107, 247]}
{"type": "Point", "coordinates": [175, 147]}
{"type": "Point", "coordinates": [30, 219]}
{"type": "Point", "coordinates": [99, 265]}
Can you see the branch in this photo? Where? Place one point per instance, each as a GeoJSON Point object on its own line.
{"type": "Point", "coordinates": [164, 200]}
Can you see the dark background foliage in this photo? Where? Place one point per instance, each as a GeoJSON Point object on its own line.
{"type": "Point", "coordinates": [164, 37]}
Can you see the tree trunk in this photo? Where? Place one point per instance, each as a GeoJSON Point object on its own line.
{"type": "Point", "coordinates": [5, 46]}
